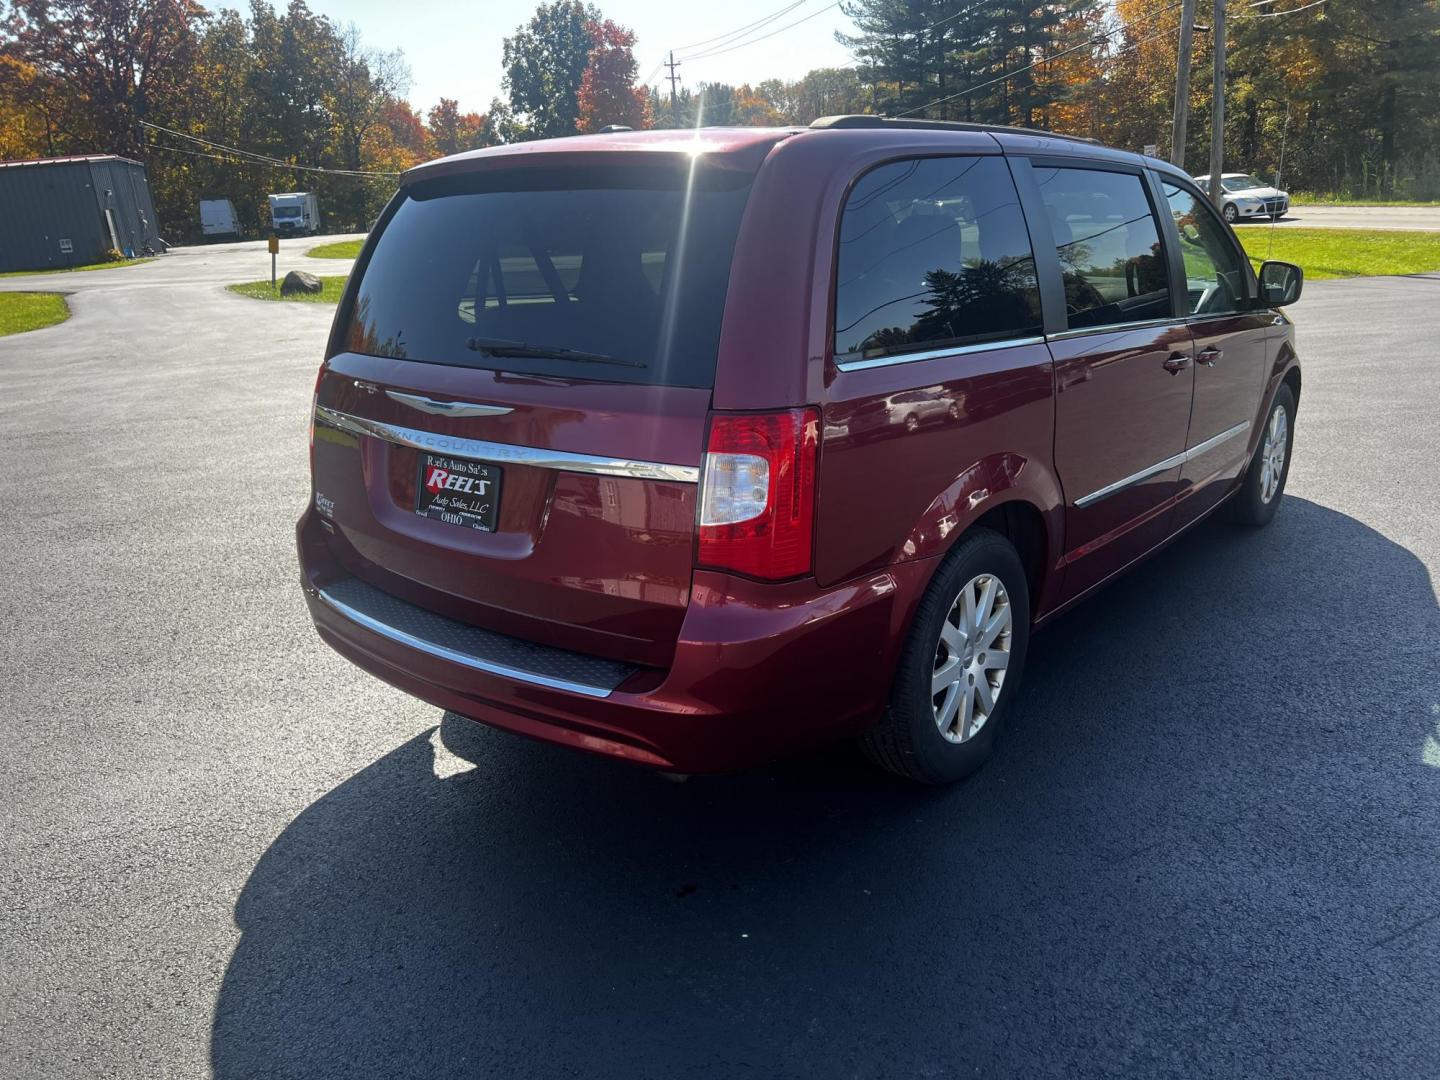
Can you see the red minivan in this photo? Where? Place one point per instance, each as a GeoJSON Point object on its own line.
{"type": "Point", "coordinates": [695, 448]}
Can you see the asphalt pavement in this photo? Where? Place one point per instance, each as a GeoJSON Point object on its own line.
{"type": "Point", "coordinates": [1385, 218]}
{"type": "Point", "coordinates": [1208, 844]}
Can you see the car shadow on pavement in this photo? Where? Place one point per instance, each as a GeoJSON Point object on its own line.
{"type": "Point", "coordinates": [1206, 844]}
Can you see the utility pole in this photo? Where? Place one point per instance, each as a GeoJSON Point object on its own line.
{"type": "Point", "coordinates": [1182, 86]}
{"type": "Point", "coordinates": [1217, 110]}
{"type": "Point", "coordinates": [672, 65]}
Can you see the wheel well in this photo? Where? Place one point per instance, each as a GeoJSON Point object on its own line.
{"type": "Point", "coordinates": [1021, 524]}
{"type": "Point", "coordinates": [1292, 380]}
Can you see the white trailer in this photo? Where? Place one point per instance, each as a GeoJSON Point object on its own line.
{"type": "Point", "coordinates": [218, 218]}
{"type": "Point", "coordinates": [295, 213]}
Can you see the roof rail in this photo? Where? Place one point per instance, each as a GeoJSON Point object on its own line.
{"type": "Point", "coordinates": [858, 120]}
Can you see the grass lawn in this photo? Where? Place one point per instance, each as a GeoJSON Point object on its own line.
{"type": "Point", "coordinates": [261, 290]}
{"type": "Point", "coordinates": [77, 269]}
{"type": "Point", "coordinates": [1338, 253]}
{"type": "Point", "coordinates": [21, 311]}
{"type": "Point", "coordinates": [342, 249]}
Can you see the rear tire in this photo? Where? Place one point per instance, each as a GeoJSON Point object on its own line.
{"type": "Point", "coordinates": [940, 725]}
{"type": "Point", "coordinates": [1259, 496]}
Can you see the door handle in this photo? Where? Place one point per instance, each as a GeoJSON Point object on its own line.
{"type": "Point", "coordinates": [1177, 362]}
{"type": "Point", "coordinates": [1209, 355]}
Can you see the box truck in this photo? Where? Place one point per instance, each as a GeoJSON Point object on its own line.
{"type": "Point", "coordinates": [218, 218]}
{"type": "Point", "coordinates": [295, 213]}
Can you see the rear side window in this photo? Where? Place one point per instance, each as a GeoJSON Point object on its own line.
{"type": "Point", "coordinates": [1108, 242]}
{"type": "Point", "coordinates": [933, 253]}
{"type": "Point", "coordinates": [613, 273]}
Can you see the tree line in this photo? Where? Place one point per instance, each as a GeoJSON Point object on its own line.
{"type": "Point", "coordinates": [229, 105]}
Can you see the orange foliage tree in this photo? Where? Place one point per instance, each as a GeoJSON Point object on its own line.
{"type": "Point", "coordinates": [608, 94]}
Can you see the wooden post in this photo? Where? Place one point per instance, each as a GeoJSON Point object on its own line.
{"type": "Point", "coordinates": [1217, 110]}
{"type": "Point", "coordinates": [1182, 86]}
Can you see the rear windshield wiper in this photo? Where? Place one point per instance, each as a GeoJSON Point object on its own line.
{"type": "Point", "coordinates": [502, 347]}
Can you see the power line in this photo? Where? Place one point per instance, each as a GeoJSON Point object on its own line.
{"type": "Point", "coordinates": [1292, 11]}
{"type": "Point", "coordinates": [924, 30]}
{"type": "Point", "coordinates": [263, 159]}
{"type": "Point", "coordinates": [232, 159]}
{"type": "Point", "coordinates": [763, 21]}
{"type": "Point", "coordinates": [1096, 40]}
{"type": "Point", "coordinates": [762, 37]}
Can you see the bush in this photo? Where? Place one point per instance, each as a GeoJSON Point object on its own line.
{"type": "Point", "coordinates": [113, 255]}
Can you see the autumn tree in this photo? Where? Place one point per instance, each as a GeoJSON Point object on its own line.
{"type": "Point", "coordinates": [124, 61]}
{"type": "Point", "coordinates": [452, 131]}
{"type": "Point", "coordinates": [1343, 96]}
{"type": "Point", "coordinates": [821, 92]}
{"type": "Point", "coordinates": [367, 81]}
{"type": "Point", "coordinates": [544, 63]}
{"type": "Point", "coordinates": [406, 129]}
{"type": "Point", "coordinates": [37, 116]}
{"type": "Point", "coordinates": [608, 94]}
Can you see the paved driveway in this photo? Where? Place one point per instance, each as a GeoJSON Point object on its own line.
{"type": "Point", "coordinates": [1208, 845]}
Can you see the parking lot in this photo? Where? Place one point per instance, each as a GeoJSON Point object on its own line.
{"type": "Point", "coordinates": [1208, 844]}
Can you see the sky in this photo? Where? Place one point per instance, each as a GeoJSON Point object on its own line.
{"type": "Point", "coordinates": [457, 55]}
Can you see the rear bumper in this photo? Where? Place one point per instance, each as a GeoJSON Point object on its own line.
{"type": "Point", "coordinates": [759, 670]}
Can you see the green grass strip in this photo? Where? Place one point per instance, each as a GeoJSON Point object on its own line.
{"type": "Point", "coordinates": [341, 249]}
{"type": "Point", "coordinates": [22, 311]}
{"type": "Point", "coordinates": [1340, 253]}
{"type": "Point", "coordinates": [261, 290]}
{"type": "Point", "coordinates": [77, 269]}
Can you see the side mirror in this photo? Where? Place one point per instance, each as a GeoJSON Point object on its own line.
{"type": "Point", "coordinates": [1280, 283]}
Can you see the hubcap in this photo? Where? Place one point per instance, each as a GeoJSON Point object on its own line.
{"type": "Point", "coordinates": [1272, 453]}
{"type": "Point", "coordinates": [971, 658]}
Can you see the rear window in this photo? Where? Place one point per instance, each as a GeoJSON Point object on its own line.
{"type": "Point", "coordinates": [614, 273]}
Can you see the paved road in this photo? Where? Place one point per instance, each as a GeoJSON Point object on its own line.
{"type": "Point", "coordinates": [1423, 218]}
{"type": "Point", "coordinates": [1208, 845]}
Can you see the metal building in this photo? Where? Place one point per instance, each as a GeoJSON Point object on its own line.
{"type": "Point", "coordinates": [67, 211]}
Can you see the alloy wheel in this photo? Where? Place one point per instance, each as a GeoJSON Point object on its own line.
{"type": "Point", "coordinates": [971, 658]}
{"type": "Point", "coordinates": [1272, 453]}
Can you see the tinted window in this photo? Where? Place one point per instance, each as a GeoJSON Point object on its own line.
{"type": "Point", "coordinates": [1214, 272]}
{"type": "Point", "coordinates": [605, 261]}
{"type": "Point", "coordinates": [933, 253]}
{"type": "Point", "coordinates": [1108, 242]}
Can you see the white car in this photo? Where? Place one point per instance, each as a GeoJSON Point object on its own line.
{"type": "Point", "coordinates": [1247, 197]}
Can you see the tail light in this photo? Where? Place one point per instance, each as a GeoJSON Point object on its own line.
{"type": "Point", "coordinates": [757, 498]}
{"type": "Point", "coordinates": [315, 400]}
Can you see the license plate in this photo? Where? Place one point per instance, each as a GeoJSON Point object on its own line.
{"type": "Point", "coordinates": [458, 491]}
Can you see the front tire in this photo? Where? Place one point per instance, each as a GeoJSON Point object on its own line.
{"type": "Point", "coordinates": [960, 670]}
{"type": "Point", "coordinates": [1231, 214]}
{"type": "Point", "coordinates": [1259, 496]}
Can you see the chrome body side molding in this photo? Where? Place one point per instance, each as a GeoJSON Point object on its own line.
{"type": "Point", "coordinates": [861, 364]}
{"type": "Point", "coordinates": [1162, 466]}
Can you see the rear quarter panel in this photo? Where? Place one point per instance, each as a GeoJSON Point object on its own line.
{"type": "Point", "coordinates": [892, 491]}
